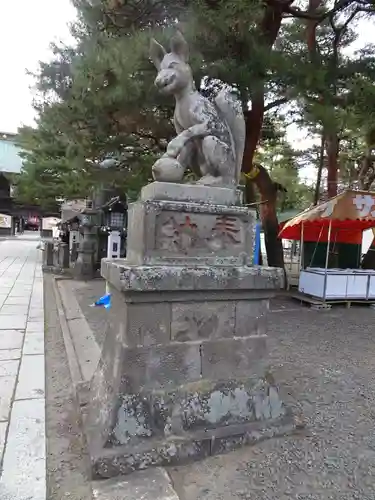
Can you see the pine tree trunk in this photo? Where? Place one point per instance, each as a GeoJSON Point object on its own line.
{"type": "Point", "coordinates": [268, 31]}
{"type": "Point", "coordinates": [274, 245]}
{"type": "Point", "coordinates": [268, 197]}
{"type": "Point", "coordinates": [320, 170]}
{"type": "Point", "coordinates": [268, 215]}
{"type": "Point", "coordinates": [332, 143]}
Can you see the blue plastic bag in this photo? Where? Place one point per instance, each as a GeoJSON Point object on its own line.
{"type": "Point", "coordinates": [104, 301]}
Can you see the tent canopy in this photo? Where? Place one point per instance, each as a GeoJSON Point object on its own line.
{"type": "Point", "coordinates": [348, 213]}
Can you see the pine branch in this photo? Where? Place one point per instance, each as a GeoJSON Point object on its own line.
{"type": "Point", "coordinates": [276, 103]}
{"type": "Point", "coordinates": [320, 16]}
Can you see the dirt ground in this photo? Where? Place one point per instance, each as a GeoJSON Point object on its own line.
{"type": "Point", "coordinates": [67, 461]}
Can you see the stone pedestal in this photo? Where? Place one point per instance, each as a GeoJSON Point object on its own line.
{"type": "Point", "coordinates": [164, 232]}
{"type": "Point", "coordinates": [192, 193]}
{"type": "Point", "coordinates": [183, 372]}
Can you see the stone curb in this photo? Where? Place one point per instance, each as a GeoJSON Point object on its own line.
{"type": "Point", "coordinates": [151, 484]}
{"type": "Point", "coordinates": [85, 345]}
{"type": "Point", "coordinates": [75, 371]}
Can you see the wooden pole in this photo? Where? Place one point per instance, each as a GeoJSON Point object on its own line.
{"type": "Point", "coordinates": [327, 258]}
{"type": "Point", "coordinates": [301, 248]}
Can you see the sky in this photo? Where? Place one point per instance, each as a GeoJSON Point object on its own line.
{"type": "Point", "coordinates": [366, 34]}
{"type": "Point", "coordinates": [27, 29]}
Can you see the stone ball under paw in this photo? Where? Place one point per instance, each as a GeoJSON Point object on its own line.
{"type": "Point", "coordinates": [168, 170]}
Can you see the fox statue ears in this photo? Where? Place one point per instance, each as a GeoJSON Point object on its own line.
{"type": "Point", "coordinates": [178, 45]}
{"type": "Point", "coordinates": [157, 53]}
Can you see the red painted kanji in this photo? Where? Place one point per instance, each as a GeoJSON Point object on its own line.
{"type": "Point", "coordinates": [187, 224]}
{"type": "Point", "coordinates": [227, 227]}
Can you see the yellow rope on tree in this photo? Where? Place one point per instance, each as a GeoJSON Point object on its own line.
{"type": "Point", "coordinates": [254, 172]}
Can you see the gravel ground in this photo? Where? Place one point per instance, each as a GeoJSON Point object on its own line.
{"type": "Point", "coordinates": [67, 461]}
{"type": "Point", "coordinates": [324, 360]}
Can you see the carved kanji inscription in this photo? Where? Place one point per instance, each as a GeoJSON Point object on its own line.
{"type": "Point", "coordinates": [225, 232]}
{"type": "Point", "coordinates": [178, 236]}
{"type": "Point", "coordinates": [193, 233]}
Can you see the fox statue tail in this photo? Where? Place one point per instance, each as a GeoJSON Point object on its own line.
{"type": "Point", "coordinates": [230, 109]}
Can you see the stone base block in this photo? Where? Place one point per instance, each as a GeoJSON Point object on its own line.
{"type": "Point", "coordinates": [151, 484]}
{"type": "Point", "coordinates": [178, 233]}
{"type": "Point", "coordinates": [192, 408]}
{"type": "Point", "coordinates": [130, 279]}
{"type": "Point", "coordinates": [188, 423]}
{"type": "Point", "coordinates": [183, 371]}
{"type": "Point", "coordinates": [192, 193]}
{"type": "Point", "coordinates": [84, 267]}
{"type": "Point", "coordinates": [122, 460]}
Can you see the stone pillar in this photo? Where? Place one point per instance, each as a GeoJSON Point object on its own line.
{"type": "Point", "coordinates": [74, 253]}
{"type": "Point", "coordinates": [48, 254]}
{"type": "Point", "coordinates": [63, 255]}
{"type": "Point", "coordinates": [85, 264]}
{"type": "Point", "coordinates": [13, 229]}
{"type": "Point", "coordinates": [182, 374]}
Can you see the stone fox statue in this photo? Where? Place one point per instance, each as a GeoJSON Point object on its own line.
{"type": "Point", "coordinates": [211, 135]}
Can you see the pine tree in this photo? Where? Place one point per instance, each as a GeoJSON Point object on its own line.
{"type": "Point", "coordinates": [104, 102]}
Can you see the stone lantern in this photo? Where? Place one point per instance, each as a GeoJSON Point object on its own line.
{"type": "Point", "coordinates": [74, 237]}
{"type": "Point", "coordinates": [85, 265]}
{"type": "Point", "coordinates": [115, 221]}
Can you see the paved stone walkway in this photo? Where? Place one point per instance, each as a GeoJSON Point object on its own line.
{"type": "Point", "coordinates": [22, 381]}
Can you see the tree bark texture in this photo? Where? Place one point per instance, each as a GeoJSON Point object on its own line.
{"type": "Point", "coordinates": [257, 174]}
{"type": "Point", "coordinates": [320, 170]}
{"type": "Point", "coordinates": [332, 142]}
{"type": "Point", "coordinates": [332, 145]}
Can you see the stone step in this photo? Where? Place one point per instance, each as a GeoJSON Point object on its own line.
{"type": "Point", "coordinates": [151, 484]}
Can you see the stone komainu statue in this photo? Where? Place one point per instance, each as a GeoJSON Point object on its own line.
{"type": "Point", "coordinates": [211, 135]}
